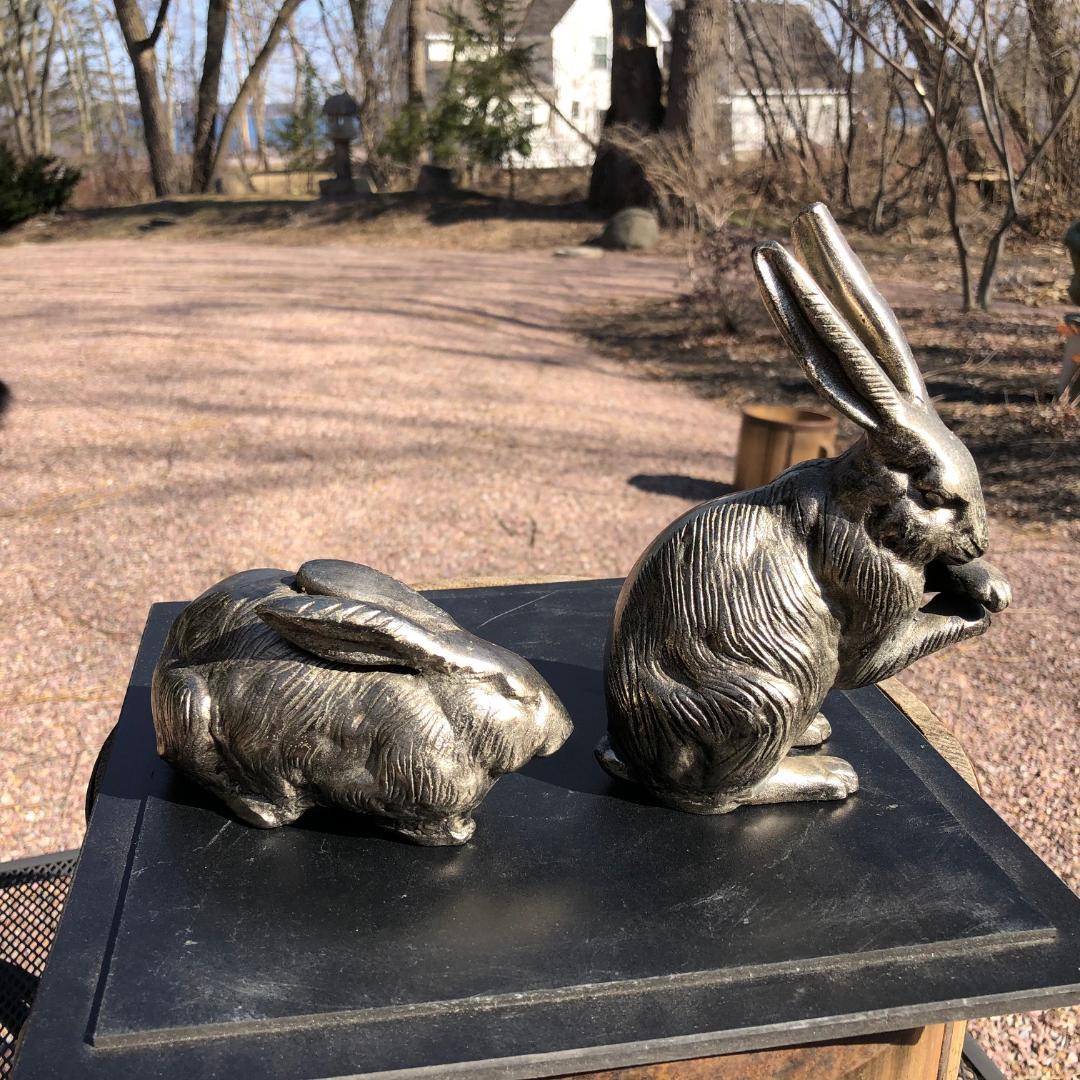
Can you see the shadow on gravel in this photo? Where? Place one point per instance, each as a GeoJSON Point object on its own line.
{"type": "Point", "coordinates": [450, 209]}
{"type": "Point", "coordinates": [680, 487]}
{"type": "Point", "coordinates": [194, 216]}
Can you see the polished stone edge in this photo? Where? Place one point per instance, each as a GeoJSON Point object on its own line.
{"type": "Point", "coordinates": [986, 944]}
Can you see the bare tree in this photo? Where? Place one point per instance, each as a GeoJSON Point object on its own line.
{"type": "Point", "coordinates": [75, 71]}
{"type": "Point", "coordinates": [28, 38]}
{"type": "Point", "coordinates": [963, 38]}
{"type": "Point", "coordinates": [238, 110]}
{"type": "Point", "coordinates": [116, 97]}
{"type": "Point", "coordinates": [416, 52]}
{"type": "Point", "coordinates": [937, 67]}
{"type": "Point", "coordinates": [252, 20]}
{"type": "Point", "coordinates": [1056, 36]}
{"type": "Point", "coordinates": [934, 101]}
{"type": "Point", "coordinates": [370, 113]}
{"type": "Point", "coordinates": [1017, 164]}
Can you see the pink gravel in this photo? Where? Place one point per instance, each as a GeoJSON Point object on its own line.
{"type": "Point", "coordinates": [183, 411]}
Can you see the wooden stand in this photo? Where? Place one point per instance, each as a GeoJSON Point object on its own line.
{"type": "Point", "coordinates": [927, 1053]}
{"type": "Point", "coordinates": [774, 437]}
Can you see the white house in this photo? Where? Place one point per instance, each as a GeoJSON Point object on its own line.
{"type": "Point", "coordinates": [784, 76]}
{"type": "Point", "coordinates": [786, 81]}
{"type": "Point", "coordinates": [571, 69]}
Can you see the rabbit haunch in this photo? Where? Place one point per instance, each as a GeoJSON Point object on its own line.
{"type": "Point", "coordinates": [742, 615]}
{"type": "Point", "coordinates": [279, 699]}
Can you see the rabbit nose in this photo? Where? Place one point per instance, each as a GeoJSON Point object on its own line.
{"type": "Point", "coordinates": [557, 725]}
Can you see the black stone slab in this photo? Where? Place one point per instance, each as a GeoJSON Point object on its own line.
{"type": "Point", "coordinates": [581, 928]}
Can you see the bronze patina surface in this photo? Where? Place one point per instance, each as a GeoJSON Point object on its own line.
{"type": "Point", "coordinates": [743, 614]}
{"type": "Point", "coordinates": [341, 686]}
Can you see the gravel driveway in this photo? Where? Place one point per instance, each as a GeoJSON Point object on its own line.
{"type": "Point", "coordinates": [185, 411]}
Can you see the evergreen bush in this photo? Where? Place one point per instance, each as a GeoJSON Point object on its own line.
{"type": "Point", "coordinates": [37, 186]}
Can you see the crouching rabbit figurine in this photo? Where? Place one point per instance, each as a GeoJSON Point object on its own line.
{"type": "Point", "coordinates": [343, 687]}
{"type": "Point", "coordinates": [744, 613]}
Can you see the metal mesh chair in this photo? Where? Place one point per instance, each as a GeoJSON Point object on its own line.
{"type": "Point", "coordinates": [32, 895]}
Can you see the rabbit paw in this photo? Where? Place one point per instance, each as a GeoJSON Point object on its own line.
{"type": "Point", "coordinates": [815, 733]}
{"type": "Point", "coordinates": [611, 762]}
{"type": "Point", "coordinates": [977, 580]}
{"type": "Point", "coordinates": [262, 813]}
{"type": "Point", "coordinates": [441, 832]}
{"type": "Point", "coordinates": [805, 778]}
{"type": "Point", "coordinates": [991, 588]}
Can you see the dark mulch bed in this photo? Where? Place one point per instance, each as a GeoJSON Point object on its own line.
{"type": "Point", "coordinates": [993, 377]}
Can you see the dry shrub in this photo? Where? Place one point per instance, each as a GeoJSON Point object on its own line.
{"type": "Point", "coordinates": [693, 190]}
{"type": "Point", "coordinates": [728, 289]}
{"type": "Point", "coordinates": [113, 179]}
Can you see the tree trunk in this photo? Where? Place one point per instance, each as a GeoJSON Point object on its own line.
{"type": "Point", "coordinates": [247, 27]}
{"type": "Point", "coordinates": [699, 76]}
{"type": "Point", "coordinates": [370, 128]}
{"type": "Point", "coordinates": [984, 295]}
{"type": "Point", "coordinates": [168, 85]}
{"type": "Point", "coordinates": [140, 47]}
{"type": "Point", "coordinates": [251, 81]}
{"type": "Point", "coordinates": [1061, 64]}
{"type": "Point", "coordinates": [44, 89]}
{"type": "Point", "coordinates": [416, 44]}
{"type": "Point", "coordinates": [617, 180]}
{"type": "Point", "coordinates": [217, 25]}
{"type": "Point", "coordinates": [19, 113]}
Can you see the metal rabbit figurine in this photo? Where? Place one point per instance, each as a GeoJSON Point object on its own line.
{"type": "Point", "coordinates": [742, 615]}
{"type": "Point", "coordinates": [340, 686]}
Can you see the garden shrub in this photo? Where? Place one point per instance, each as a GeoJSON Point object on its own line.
{"type": "Point", "coordinates": [37, 186]}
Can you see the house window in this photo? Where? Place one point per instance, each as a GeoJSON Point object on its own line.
{"type": "Point", "coordinates": [600, 53]}
{"type": "Point", "coordinates": [575, 110]}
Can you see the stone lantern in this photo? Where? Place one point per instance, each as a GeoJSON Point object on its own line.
{"type": "Point", "coordinates": [341, 112]}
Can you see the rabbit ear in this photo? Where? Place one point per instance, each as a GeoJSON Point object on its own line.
{"type": "Point", "coordinates": [834, 359]}
{"type": "Point", "coordinates": [354, 581]}
{"type": "Point", "coordinates": [844, 280]}
{"type": "Point", "coordinates": [368, 633]}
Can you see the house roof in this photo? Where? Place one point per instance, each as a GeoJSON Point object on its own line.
{"type": "Point", "coordinates": [542, 16]}
{"type": "Point", "coordinates": [538, 17]}
{"type": "Point", "coordinates": [776, 44]}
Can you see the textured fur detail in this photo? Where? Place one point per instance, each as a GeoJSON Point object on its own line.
{"type": "Point", "coordinates": [274, 729]}
{"type": "Point", "coordinates": [740, 617]}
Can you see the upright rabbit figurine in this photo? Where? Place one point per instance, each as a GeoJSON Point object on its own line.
{"type": "Point", "coordinates": [340, 686]}
{"type": "Point", "coordinates": [742, 615]}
